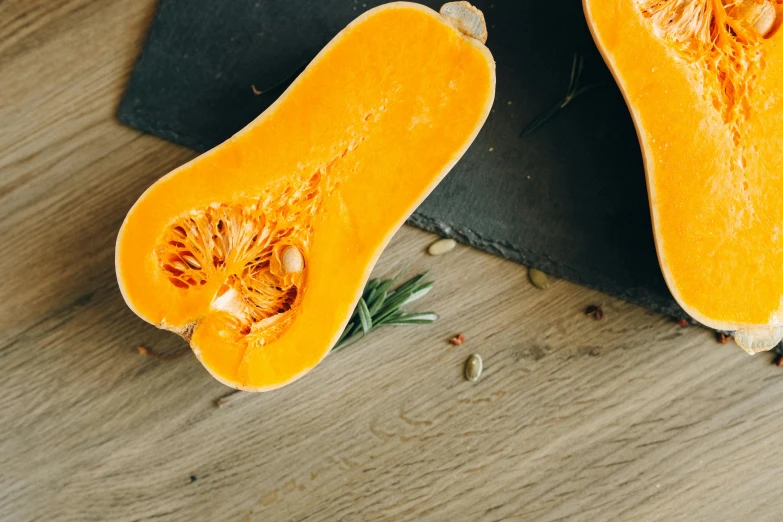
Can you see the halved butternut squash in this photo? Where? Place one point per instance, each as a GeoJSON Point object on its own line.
{"type": "Point", "coordinates": [257, 251]}
{"type": "Point", "coordinates": [702, 79]}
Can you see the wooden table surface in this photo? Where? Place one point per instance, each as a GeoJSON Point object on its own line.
{"type": "Point", "coordinates": [629, 418]}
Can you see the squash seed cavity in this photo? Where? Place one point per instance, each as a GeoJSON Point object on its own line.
{"type": "Point", "coordinates": [723, 40]}
{"type": "Point", "coordinates": [257, 250]}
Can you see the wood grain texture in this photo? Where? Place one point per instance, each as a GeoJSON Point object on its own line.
{"type": "Point", "coordinates": [629, 418]}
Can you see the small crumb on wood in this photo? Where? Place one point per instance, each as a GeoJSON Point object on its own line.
{"type": "Point", "coordinates": [255, 90]}
{"type": "Point", "coordinates": [146, 352]}
{"type": "Point", "coordinates": [682, 323]}
{"type": "Point", "coordinates": [722, 338]}
{"type": "Point", "coordinates": [192, 479]}
{"type": "Point", "coordinates": [594, 311]}
{"type": "Point", "coordinates": [457, 340]}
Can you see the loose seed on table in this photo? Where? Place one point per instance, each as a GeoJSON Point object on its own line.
{"type": "Point", "coordinates": [442, 246]}
{"type": "Point", "coordinates": [473, 367]}
{"type": "Point", "coordinates": [539, 279]}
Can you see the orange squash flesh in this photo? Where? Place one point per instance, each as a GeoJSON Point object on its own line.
{"type": "Point", "coordinates": [330, 172]}
{"type": "Point", "coordinates": [702, 79]}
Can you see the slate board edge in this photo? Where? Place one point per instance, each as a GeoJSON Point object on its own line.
{"type": "Point", "coordinates": [533, 259]}
{"type": "Point", "coordinates": [127, 116]}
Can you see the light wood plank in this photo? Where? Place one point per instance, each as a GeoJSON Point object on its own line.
{"type": "Point", "coordinates": [630, 418]}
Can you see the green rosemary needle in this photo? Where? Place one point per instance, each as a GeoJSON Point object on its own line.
{"type": "Point", "coordinates": [380, 305]}
{"type": "Point", "coordinates": [575, 89]}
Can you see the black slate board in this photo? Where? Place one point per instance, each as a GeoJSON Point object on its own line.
{"type": "Point", "coordinates": [569, 199]}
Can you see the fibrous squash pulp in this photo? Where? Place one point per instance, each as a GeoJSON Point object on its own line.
{"type": "Point", "coordinates": [257, 251]}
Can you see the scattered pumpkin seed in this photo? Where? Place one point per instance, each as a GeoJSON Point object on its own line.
{"type": "Point", "coordinates": [539, 279]}
{"type": "Point", "coordinates": [442, 246]}
{"type": "Point", "coordinates": [473, 367]}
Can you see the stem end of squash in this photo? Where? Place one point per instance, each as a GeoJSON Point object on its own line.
{"type": "Point", "coordinates": [466, 19]}
{"type": "Point", "coordinates": [759, 339]}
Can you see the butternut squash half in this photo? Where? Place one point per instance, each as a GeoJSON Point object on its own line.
{"type": "Point", "coordinates": [257, 251]}
{"type": "Point", "coordinates": [703, 80]}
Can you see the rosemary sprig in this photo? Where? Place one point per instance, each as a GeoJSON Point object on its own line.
{"type": "Point", "coordinates": [575, 89]}
{"type": "Point", "coordinates": [380, 305]}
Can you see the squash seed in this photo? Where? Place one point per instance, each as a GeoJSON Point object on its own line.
{"type": "Point", "coordinates": [539, 279]}
{"type": "Point", "coordinates": [191, 261]}
{"type": "Point", "coordinates": [766, 18]}
{"type": "Point", "coordinates": [442, 246]}
{"type": "Point", "coordinates": [292, 260]}
{"type": "Point", "coordinates": [473, 367]}
{"type": "Point", "coordinates": [761, 15]}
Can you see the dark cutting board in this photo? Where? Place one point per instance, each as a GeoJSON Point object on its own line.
{"type": "Point", "coordinates": [569, 199]}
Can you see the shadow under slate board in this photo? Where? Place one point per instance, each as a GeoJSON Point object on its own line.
{"type": "Point", "coordinates": [569, 199]}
